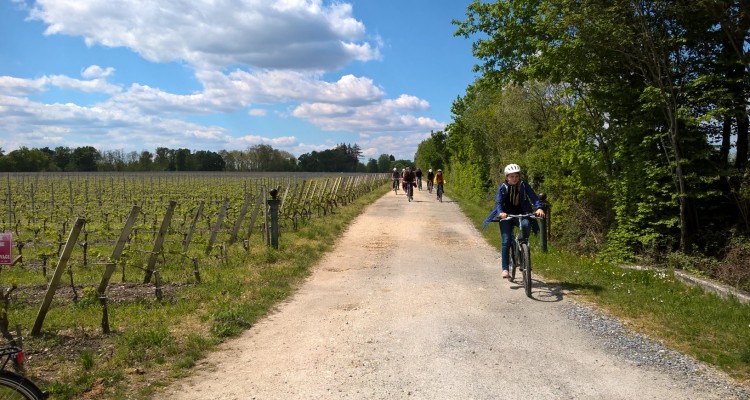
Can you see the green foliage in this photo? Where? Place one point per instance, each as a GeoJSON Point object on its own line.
{"type": "Point", "coordinates": [431, 152]}
{"type": "Point", "coordinates": [231, 319]}
{"type": "Point", "coordinates": [87, 360]}
{"type": "Point", "coordinates": [623, 113]}
{"type": "Point", "coordinates": [145, 344]}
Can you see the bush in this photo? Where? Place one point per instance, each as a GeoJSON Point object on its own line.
{"type": "Point", "coordinates": [734, 268]}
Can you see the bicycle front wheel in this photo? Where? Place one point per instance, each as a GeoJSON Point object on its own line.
{"type": "Point", "coordinates": [17, 387]}
{"type": "Point", "coordinates": [513, 261]}
{"type": "Point", "coordinates": [526, 256]}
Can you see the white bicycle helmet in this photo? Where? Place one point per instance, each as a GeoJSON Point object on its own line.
{"type": "Point", "coordinates": [394, 170]}
{"type": "Point", "coordinates": [512, 169]}
{"type": "Point", "coordinates": [429, 170]}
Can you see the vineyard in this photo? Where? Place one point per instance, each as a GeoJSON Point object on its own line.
{"type": "Point", "coordinates": [86, 246]}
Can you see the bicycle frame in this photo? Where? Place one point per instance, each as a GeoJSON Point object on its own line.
{"type": "Point", "coordinates": [518, 218]}
{"type": "Point", "coordinates": [15, 381]}
{"type": "Point", "coordinates": [520, 254]}
{"type": "Point", "coordinates": [11, 353]}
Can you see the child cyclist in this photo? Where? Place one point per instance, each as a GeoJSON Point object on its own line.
{"type": "Point", "coordinates": [514, 196]}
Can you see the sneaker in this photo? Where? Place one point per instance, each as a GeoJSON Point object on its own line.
{"type": "Point", "coordinates": [505, 274]}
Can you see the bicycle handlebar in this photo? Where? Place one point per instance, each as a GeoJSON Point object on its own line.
{"type": "Point", "coordinates": [516, 216]}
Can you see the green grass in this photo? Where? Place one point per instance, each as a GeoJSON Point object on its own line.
{"type": "Point", "coordinates": [155, 341]}
{"type": "Point", "coordinates": [703, 325]}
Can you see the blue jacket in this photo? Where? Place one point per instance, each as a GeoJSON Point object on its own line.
{"type": "Point", "coordinates": [527, 193]}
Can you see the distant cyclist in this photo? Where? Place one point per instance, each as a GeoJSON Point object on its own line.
{"type": "Point", "coordinates": [409, 177]}
{"type": "Point", "coordinates": [396, 177]}
{"type": "Point", "coordinates": [440, 183]}
{"type": "Point", "coordinates": [430, 177]}
{"type": "Point", "coordinates": [514, 196]}
{"type": "Point", "coordinates": [418, 173]}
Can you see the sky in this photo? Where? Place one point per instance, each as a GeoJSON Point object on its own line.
{"type": "Point", "coordinates": [298, 75]}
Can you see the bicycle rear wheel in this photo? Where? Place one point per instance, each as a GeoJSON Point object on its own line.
{"type": "Point", "coordinates": [526, 257]}
{"type": "Point", "coordinates": [17, 387]}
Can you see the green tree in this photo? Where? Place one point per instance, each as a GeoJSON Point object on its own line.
{"type": "Point", "coordinates": [85, 158]}
{"type": "Point", "coordinates": [62, 157]}
{"type": "Point", "coordinates": [658, 77]}
{"type": "Point", "coordinates": [431, 152]}
{"type": "Point", "coordinates": [384, 163]}
{"type": "Point", "coordinates": [145, 161]}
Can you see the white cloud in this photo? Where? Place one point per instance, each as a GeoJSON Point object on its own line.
{"type": "Point", "coordinates": [95, 71]}
{"type": "Point", "coordinates": [246, 54]}
{"type": "Point", "coordinates": [290, 34]}
{"type": "Point", "coordinates": [28, 123]}
{"type": "Point", "coordinates": [283, 141]}
{"type": "Point", "coordinates": [386, 116]}
{"type": "Point", "coordinates": [13, 86]}
{"type": "Point", "coordinates": [240, 89]}
{"type": "Point", "coordinates": [89, 86]}
{"type": "Point", "coordinates": [275, 86]}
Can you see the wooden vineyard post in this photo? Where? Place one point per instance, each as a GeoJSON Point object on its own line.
{"type": "Point", "coordinates": [296, 203]}
{"type": "Point", "coordinates": [108, 271]}
{"type": "Point", "coordinates": [307, 206]}
{"type": "Point", "coordinates": [189, 237]}
{"type": "Point", "coordinates": [321, 199]}
{"type": "Point", "coordinates": [266, 217]}
{"type": "Point", "coordinates": [240, 218]}
{"type": "Point", "coordinates": [283, 198]}
{"type": "Point", "coordinates": [117, 252]}
{"type": "Point", "coordinates": [258, 205]}
{"type": "Point", "coordinates": [59, 270]}
{"type": "Point", "coordinates": [159, 242]}
{"type": "Point", "coordinates": [217, 228]}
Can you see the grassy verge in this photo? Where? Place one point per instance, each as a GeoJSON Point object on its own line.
{"type": "Point", "coordinates": [702, 325]}
{"type": "Point", "coordinates": [153, 342]}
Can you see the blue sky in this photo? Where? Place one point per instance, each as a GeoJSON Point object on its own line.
{"type": "Point", "coordinates": [299, 75]}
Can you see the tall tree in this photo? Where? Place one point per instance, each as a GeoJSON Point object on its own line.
{"type": "Point", "coordinates": [85, 158]}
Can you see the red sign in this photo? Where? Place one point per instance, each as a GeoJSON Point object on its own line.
{"type": "Point", "coordinates": [6, 248]}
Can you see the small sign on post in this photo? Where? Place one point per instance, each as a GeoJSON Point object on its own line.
{"type": "Point", "coordinates": [6, 248]}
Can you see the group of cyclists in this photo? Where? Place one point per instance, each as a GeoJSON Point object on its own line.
{"type": "Point", "coordinates": [513, 197]}
{"type": "Point", "coordinates": [407, 179]}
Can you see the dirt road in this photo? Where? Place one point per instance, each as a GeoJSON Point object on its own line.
{"type": "Point", "coordinates": [410, 305]}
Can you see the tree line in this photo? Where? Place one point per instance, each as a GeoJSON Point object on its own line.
{"type": "Point", "coordinates": [631, 115]}
{"type": "Point", "coordinates": [259, 158]}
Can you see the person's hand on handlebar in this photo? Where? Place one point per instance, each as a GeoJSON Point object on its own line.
{"type": "Point", "coordinates": [539, 213]}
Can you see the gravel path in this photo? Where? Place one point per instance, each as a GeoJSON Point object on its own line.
{"type": "Point", "coordinates": [410, 305]}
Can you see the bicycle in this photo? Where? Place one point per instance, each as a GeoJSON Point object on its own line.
{"type": "Point", "coordinates": [419, 183]}
{"type": "Point", "coordinates": [440, 192]}
{"type": "Point", "coordinates": [395, 186]}
{"type": "Point", "coordinates": [410, 191]}
{"type": "Point", "coordinates": [14, 385]}
{"type": "Point", "coordinates": [520, 254]}
{"type": "Point", "coordinates": [430, 184]}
